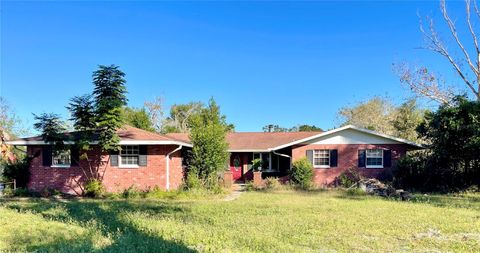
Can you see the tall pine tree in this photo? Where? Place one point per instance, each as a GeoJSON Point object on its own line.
{"type": "Point", "coordinates": [110, 96]}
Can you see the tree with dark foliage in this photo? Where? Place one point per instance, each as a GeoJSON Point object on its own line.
{"type": "Point", "coordinates": [452, 134]}
{"type": "Point", "coordinates": [52, 128]}
{"type": "Point", "coordinates": [97, 114]}
{"type": "Point", "coordinates": [110, 96]}
{"type": "Point", "coordinates": [82, 111]}
{"type": "Point", "coordinates": [209, 154]}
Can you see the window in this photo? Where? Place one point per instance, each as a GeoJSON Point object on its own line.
{"type": "Point", "coordinates": [266, 161]}
{"type": "Point", "coordinates": [129, 156]}
{"type": "Point", "coordinates": [321, 158]}
{"type": "Point", "coordinates": [61, 158]}
{"type": "Point", "coordinates": [374, 158]}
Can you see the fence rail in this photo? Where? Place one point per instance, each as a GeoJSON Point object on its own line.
{"type": "Point", "coordinates": [3, 185]}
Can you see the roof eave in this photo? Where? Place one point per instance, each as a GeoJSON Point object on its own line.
{"type": "Point", "coordinates": [248, 150]}
{"type": "Point", "coordinates": [122, 142]}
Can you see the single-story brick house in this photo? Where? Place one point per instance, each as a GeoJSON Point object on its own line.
{"type": "Point", "coordinates": [153, 160]}
{"type": "Point", "coordinates": [330, 152]}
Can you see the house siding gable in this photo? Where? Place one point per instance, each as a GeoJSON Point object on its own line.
{"type": "Point", "coordinates": [351, 136]}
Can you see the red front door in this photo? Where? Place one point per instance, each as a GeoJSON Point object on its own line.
{"type": "Point", "coordinates": [236, 167]}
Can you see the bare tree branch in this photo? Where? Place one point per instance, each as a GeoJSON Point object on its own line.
{"type": "Point", "coordinates": [453, 30]}
{"type": "Point", "coordinates": [423, 83]}
{"type": "Point", "coordinates": [477, 11]}
{"type": "Point", "coordinates": [434, 43]}
{"type": "Point", "coordinates": [470, 28]}
{"type": "Point", "coordinates": [155, 111]}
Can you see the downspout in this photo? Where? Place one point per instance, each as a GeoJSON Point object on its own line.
{"type": "Point", "coordinates": [167, 184]}
{"type": "Point", "coordinates": [287, 156]}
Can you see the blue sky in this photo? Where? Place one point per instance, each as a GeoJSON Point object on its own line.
{"type": "Point", "coordinates": [285, 63]}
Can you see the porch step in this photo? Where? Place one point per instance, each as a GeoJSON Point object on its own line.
{"type": "Point", "coordinates": [239, 187]}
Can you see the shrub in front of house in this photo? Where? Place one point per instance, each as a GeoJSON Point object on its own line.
{"type": "Point", "coordinates": [132, 192]}
{"type": "Point", "coordinates": [272, 183]}
{"type": "Point", "coordinates": [302, 174]}
{"type": "Point", "coordinates": [94, 188]}
{"type": "Point", "coordinates": [349, 178]}
{"type": "Point", "coordinates": [16, 170]}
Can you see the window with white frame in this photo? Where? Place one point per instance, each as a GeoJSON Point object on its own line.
{"type": "Point", "coordinates": [374, 158]}
{"type": "Point", "coordinates": [129, 155]}
{"type": "Point", "coordinates": [61, 158]}
{"type": "Point", "coordinates": [321, 158]}
{"type": "Point", "coordinates": [266, 161]}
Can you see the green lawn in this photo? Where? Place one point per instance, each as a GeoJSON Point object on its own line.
{"type": "Point", "coordinates": [328, 221]}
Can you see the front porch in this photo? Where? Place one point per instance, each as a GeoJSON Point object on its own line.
{"type": "Point", "coordinates": [274, 164]}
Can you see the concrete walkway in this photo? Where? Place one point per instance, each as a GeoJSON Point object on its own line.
{"type": "Point", "coordinates": [237, 190]}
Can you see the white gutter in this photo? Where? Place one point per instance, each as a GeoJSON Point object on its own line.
{"type": "Point", "coordinates": [287, 156]}
{"type": "Point", "coordinates": [167, 184]}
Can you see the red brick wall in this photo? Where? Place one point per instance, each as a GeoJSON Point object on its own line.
{"type": "Point", "coordinates": [115, 179]}
{"type": "Point", "coordinates": [347, 158]}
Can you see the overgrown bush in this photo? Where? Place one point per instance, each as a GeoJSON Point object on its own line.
{"type": "Point", "coordinates": [302, 174]}
{"type": "Point", "coordinates": [18, 170]}
{"type": "Point", "coordinates": [417, 172]}
{"type": "Point", "coordinates": [22, 192]}
{"type": "Point", "coordinates": [209, 154]}
{"type": "Point", "coordinates": [48, 192]}
{"type": "Point", "coordinates": [249, 186]}
{"type": "Point", "coordinates": [132, 192]}
{"type": "Point", "coordinates": [272, 183]}
{"type": "Point", "coordinates": [192, 180]}
{"type": "Point", "coordinates": [349, 177]}
{"type": "Point", "coordinates": [94, 188]}
{"type": "Point", "coordinates": [19, 192]}
{"type": "Point", "coordinates": [355, 192]}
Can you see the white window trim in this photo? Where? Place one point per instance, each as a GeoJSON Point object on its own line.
{"type": "Point", "coordinates": [128, 166]}
{"type": "Point", "coordinates": [373, 166]}
{"type": "Point", "coordinates": [321, 166]}
{"type": "Point", "coordinates": [61, 166]}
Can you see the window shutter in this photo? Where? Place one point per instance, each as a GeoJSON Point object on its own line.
{"type": "Point", "coordinates": [47, 156]}
{"type": "Point", "coordinates": [114, 158]}
{"type": "Point", "coordinates": [142, 158]}
{"type": "Point", "coordinates": [310, 156]}
{"type": "Point", "coordinates": [387, 158]}
{"type": "Point", "coordinates": [362, 157]}
{"type": "Point", "coordinates": [333, 158]}
{"type": "Point", "coordinates": [74, 155]}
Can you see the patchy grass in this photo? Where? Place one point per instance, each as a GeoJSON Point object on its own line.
{"type": "Point", "coordinates": [285, 221]}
